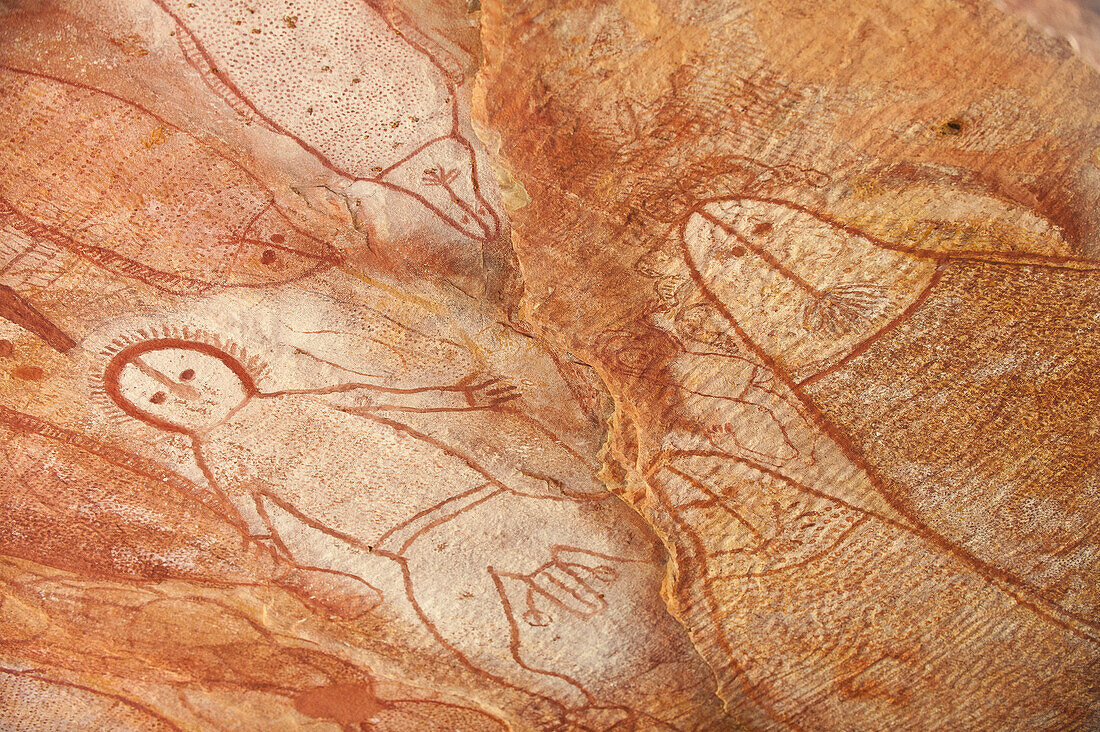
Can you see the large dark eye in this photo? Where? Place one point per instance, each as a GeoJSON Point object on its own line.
{"type": "Point", "coordinates": [187, 375]}
{"type": "Point", "coordinates": [159, 398]}
{"type": "Point", "coordinates": [268, 257]}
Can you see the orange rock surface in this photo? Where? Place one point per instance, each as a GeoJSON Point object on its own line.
{"type": "Point", "coordinates": [837, 265]}
{"type": "Point", "coordinates": [636, 365]}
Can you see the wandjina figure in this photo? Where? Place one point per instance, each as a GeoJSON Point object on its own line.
{"type": "Point", "coordinates": [334, 481]}
{"type": "Point", "coordinates": [87, 173]}
{"type": "Point", "coordinates": [357, 85]}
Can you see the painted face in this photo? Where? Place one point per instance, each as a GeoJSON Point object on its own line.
{"type": "Point", "coordinates": [178, 387]}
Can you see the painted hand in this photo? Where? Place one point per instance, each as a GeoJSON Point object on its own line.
{"type": "Point", "coordinates": [486, 394]}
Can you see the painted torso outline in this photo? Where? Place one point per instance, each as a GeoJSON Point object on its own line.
{"type": "Point", "coordinates": [347, 59]}
{"type": "Point", "coordinates": [198, 207]}
{"type": "Point", "coordinates": [206, 391]}
{"type": "Point", "coordinates": [713, 239]}
{"type": "Point", "coordinates": [165, 209]}
{"type": "Point", "coordinates": [751, 254]}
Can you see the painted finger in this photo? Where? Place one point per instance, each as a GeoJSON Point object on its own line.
{"type": "Point", "coordinates": [487, 383]}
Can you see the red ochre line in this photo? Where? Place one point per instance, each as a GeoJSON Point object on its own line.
{"type": "Point", "coordinates": [997, 577]}
{"type": "Point", "coordinates": [763, 253]}
{"type": "Point", "coordinates": [514, 641]}
{"type": "Point", "coordinates": [101, 257]}
{"type": "Point", "coordinates": [115, 262]}
{"type": "Point", "coordinates": [864, 345]}
{"type": "Point", "coordinates": [14, 308]}
{"type": "Point", "coordinates": [983, 256]}
{"type": "Point", "coordinates": [324, 160]}
{"type": "Point", "coordinates": [40, 676]}
{"type": "Point", "coordinates": [1003, 580]}
{"type": "Point", "coordinates": [29, 424]}
{"type": "Point", "coordinates": [409, 592]}
{"type": "Point", "coordinates": [751, 689]}
{"type": "Point", "coordinates": [144, 110]}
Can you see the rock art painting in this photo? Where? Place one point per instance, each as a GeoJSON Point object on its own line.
{"type": "Point", "coordinates": [355, 83]}
{"type": "Point", "coordinates": [597, 366]}
{"type": "Point", "coordinates": [280, 453]}
{"type": "Point", "coordinates": [837, 266]}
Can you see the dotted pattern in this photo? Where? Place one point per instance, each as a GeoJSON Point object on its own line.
{"type": "Point", "coordinates": [334, 74]}
{"type": "Point", "coordinates": [97, 518]}
{"type": "Point", "coordinates": [104, 173]}
{"type": "Point", "coordinates": [37, 705]}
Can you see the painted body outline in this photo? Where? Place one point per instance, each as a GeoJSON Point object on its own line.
{"type": "Point", "coordinates": [677, 231]}
{"type": "Point", "coordinates": [127, 702]}
{"type": "Point", "coordinates": [487, 220]}
{"type": "Point", "coordinates": [19, 309]}
{"type": "Point", "coordinates": [565, 580]}
{"type": "Point", "coordinates": [333, 671]}
{"type": "Point", "coordinates": [677, 292]}
{"type": "Point", "coordinates": [305, 583]}
{"type": "Point", "coordinates": [1016, 587]}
